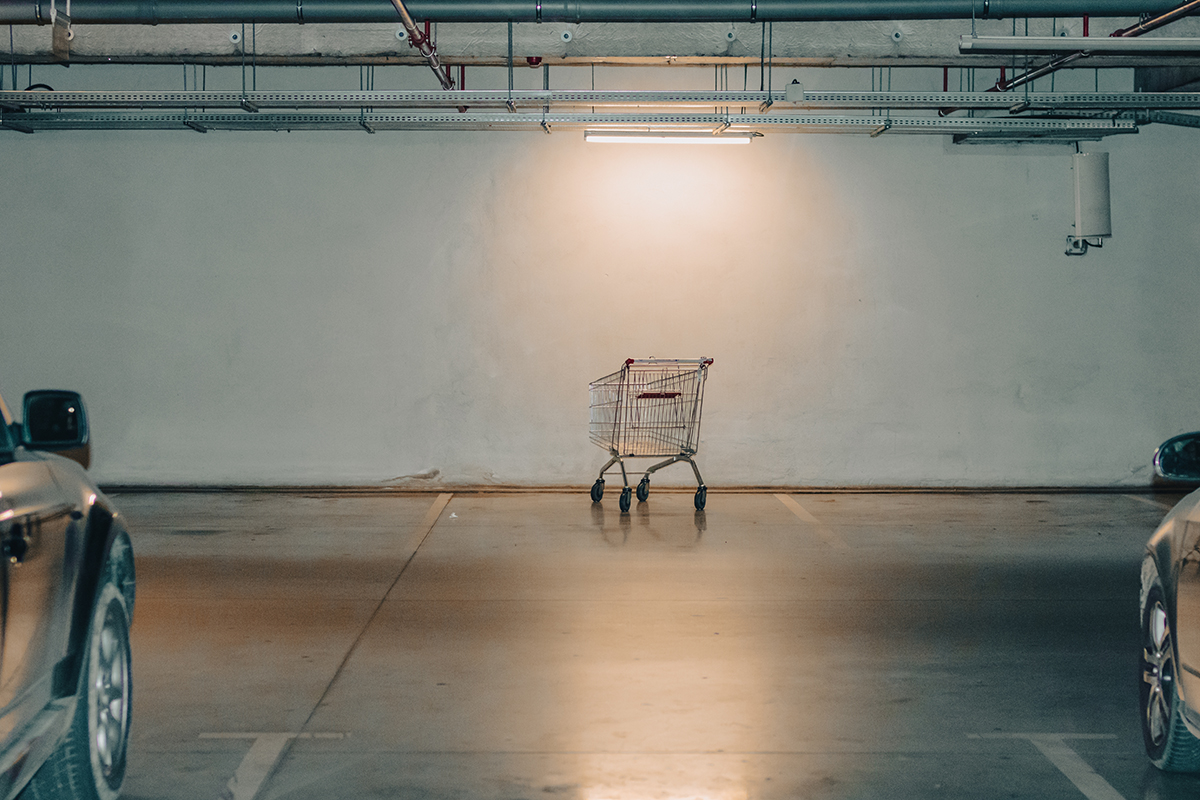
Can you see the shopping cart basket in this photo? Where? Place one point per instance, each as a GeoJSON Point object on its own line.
{"type": "Point", "coordinates": [650, 408]}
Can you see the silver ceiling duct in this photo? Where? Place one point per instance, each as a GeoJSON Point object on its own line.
{"type": "Point", "coordinates": [153, 12]}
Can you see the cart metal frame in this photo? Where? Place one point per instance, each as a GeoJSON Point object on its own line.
{"type": "Point", "coordinates": [650, 408]}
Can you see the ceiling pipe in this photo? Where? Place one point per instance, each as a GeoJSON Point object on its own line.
{"type": "Point", "coordinates": [154, 12]}
{"type": "Point", "coordinates": [425, 47]}
{"type": "Point", "coordinates": [1150, 24]}
{"type": "Point", "coordinates": [1137, 30]}
{"type": "Point", "coordinates": [1151, 45]}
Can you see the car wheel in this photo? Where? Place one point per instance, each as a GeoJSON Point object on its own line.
{"type": "Point", "coordinates": [1169, 743]}
{"type": "Point", "coordinates": [89, 764]}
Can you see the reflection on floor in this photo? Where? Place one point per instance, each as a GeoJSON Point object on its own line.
{"type": "Point", "coordinates": [539, 646]}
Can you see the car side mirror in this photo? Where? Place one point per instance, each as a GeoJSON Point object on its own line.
{"type": "Point", "coordinates": [56, 421]}
{"type": "Point", "coordinates": [1178, 458]}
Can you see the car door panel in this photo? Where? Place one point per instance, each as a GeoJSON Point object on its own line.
{"type": "Point", "coordinates": [1187, 613]}
{"type": "Point", "coordinates": [33, 546]}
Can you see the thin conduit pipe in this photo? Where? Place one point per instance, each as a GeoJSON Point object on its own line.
{"type": "Point", "coordinates": [424, 46]}
{"type": "Point", "coordinates": [1150, 24]}
{"type": "Point", "coordinates": [154, 12]}
{"type": "Point", "coordinates": [1058, 63]}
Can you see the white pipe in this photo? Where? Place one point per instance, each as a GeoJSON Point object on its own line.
{"type": "Point", "coordinates": [1068, 44]}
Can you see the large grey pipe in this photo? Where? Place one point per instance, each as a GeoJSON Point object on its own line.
{"type": "Point", "coordinates": [153, 12]}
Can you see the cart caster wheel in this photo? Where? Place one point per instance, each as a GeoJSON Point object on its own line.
{"type": "Point", "coordinates": [701, 496]}
{"type": "Point", "coordinates": [597, 491]}
{"type": "Point", "coordinates": [625, 498]}
{"type": "Point", "coordinates": [643, 490]}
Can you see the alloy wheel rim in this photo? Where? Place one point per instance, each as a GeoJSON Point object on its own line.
{"type": "Point", "coordinates": [109, 693]}
{"type": "Point", "coordinates": [1158, 673]}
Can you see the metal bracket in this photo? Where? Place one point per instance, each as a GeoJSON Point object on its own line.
{"type": "Point", "coordinates": [1079, 246]}
{"type": "Point", "coordinates": [16, 126]}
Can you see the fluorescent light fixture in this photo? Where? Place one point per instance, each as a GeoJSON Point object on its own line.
{"type": "Point", "coordinates": [666, 137]}
{"type": "Point", "coordinates": [1088, 44]}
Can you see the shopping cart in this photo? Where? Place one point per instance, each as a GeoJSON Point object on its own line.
{"type": "Point", "coordinates": [650, 408]}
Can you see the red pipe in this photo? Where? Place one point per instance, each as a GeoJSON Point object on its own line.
{"type": "Point", "coordinates": [945, 79]}
{"type": "Point", "coordinates": [1085, 25]}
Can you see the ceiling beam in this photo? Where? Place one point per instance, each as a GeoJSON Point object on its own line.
{"type": "Point", "coordinates": [157, 12]}
{"type": "Point", "coordinates": [892, 43]}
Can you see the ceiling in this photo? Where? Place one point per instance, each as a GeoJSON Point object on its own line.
{"type": "Point", "coordinates": [751, 60]}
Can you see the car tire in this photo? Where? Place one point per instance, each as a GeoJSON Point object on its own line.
{"type": "Point", "coordinates": [1169, 743]}
{"type": "Point", "coordinates": [89, 763]}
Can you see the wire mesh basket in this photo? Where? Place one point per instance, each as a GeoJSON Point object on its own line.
{"type": "Point", "coordinates": [650, 408]}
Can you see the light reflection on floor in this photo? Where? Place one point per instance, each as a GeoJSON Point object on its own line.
{"type": "Point", "coordinates": [540, 646]}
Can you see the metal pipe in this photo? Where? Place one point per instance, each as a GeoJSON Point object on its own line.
{"type": "Point", "coordinates": [1150, 24]}
{"type": "Point", "coordinates": [424, 46]}
{"type": "Point", "coordinates": [1063, 44]}
{"type": "Point", "coordinates": [1033, 74]}
{"type": "Point", "coordinates": [1059, 63]}
{"type": "Point", "coordinates": [154, 12]}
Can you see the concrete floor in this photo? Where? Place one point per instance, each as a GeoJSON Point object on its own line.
{"type": "Point", "coordinates": [536, 646]}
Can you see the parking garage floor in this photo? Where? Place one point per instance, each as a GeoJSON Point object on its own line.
{"type": "Point", "coordinates": [521, 646]}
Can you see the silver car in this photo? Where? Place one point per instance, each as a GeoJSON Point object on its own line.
{"type": "Point", "coordinates": [68, 590]}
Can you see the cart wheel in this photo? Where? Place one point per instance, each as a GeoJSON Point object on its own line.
{"type": "Point", "coordinates": [643, 490]}
{"type": "Point", "coordinates": [625, 498]}
{"type": "Point", "coordinates": [701, 496]}
{"type": "Point", "coordinates": [597, 490]}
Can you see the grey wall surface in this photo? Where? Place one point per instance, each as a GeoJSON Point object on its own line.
{"type": "Point", "coordinates": [343, 308]}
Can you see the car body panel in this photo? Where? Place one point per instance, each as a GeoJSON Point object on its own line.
{"type": "Point", "coordinates": [37, 610]}
{"type": "Point", "coordinates": [57, 531]}
{"type": "Point", "coordinates": [1175, 547]}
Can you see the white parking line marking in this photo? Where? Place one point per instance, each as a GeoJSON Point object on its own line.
{"type": "Point", "coordinates": [260, 761]}
{"type": "Point", "coordinates": [419, 534]}
{"type": "Point", "coordinates": [1052, 746]}
{"type": "Point", "coordinates": [831, 538]}
{"type": "Point", "coordinates": [1150, 502]}
{"type": "Point", "coordinates": [431, 518]}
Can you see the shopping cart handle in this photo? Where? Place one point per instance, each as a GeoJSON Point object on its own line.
{"type": "Point", "coordinates": [705, 361]}
{"type": "Point", "coordinates": [658, 395]}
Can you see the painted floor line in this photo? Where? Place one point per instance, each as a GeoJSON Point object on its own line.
{"type": "Point", "coordinates": [831, 538]}
{"type": "Point", "coordinates": [260, 761]}
{"type": "Point", "coordinates": [418, 537]}
{"type": "Point", "coordinates": [1054, 747]}
{"type": "Point", "coordinates": [260, 734]}
{"type": "Point", "coordinates": [431, 518]}
{"type": "Point", "coordinates": [1150, 501]}
{"type": "Point", "coordinates": [269, 748]}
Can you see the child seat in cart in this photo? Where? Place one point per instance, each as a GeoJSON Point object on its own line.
{"type": "Point", "coordinates": [650, 408]}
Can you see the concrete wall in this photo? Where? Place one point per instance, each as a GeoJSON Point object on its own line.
{"type": "Point", "coordinates": [344, 308]}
